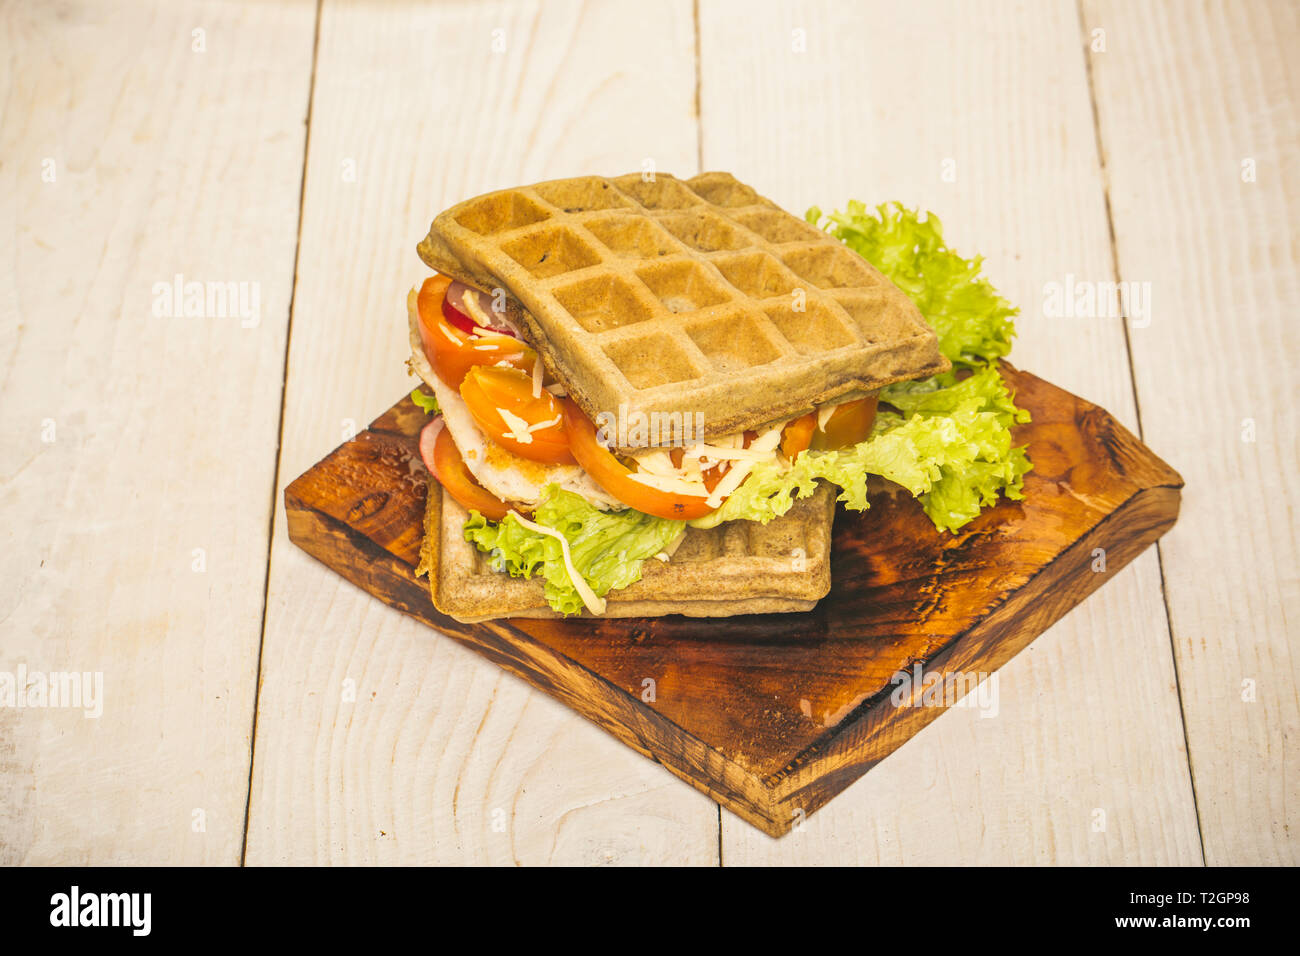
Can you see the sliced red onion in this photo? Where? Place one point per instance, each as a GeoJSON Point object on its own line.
{"type": "Point", "coordinates": [457, 319]}
{"type": "Point", "coordinates": [428, 440]}
{"type": "Point", "coordinates": [463, 316]}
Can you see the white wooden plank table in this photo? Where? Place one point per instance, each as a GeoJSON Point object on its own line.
{"type": "Point", "coordinates": [258, 709]}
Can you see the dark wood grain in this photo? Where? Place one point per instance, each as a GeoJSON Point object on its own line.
{"type": "Point", "coordinates": [772, 715]}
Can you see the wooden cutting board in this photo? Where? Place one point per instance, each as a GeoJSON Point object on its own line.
{"type": "Point", "coordinates": [773, 715]}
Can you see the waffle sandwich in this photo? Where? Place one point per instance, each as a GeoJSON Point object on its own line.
{"type": "Point", "coordinates": [619, 365]}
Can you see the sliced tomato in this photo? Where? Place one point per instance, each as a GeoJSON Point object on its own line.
{"type": "Point", "coordinates": [453, 352]}
{"type": "Point", "coordinates": [798, 435]}
{"type": "Point", "coordinates": [488, 389]}
{"type": "Point", "coordinates": [432, 293]}
{"type": "Point", "coordinates": [616, 478]}
{"type": "Point", "coordinates": [849, 424]}
{"type": "Point", "coordinates": [442, 458]}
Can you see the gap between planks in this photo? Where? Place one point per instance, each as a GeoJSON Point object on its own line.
{"type": "Point", "coordinates": [1103, 167]}
{"type": "Point", "coordinates": [279, 435]}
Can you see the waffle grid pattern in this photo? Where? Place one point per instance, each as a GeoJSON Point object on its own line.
{"type": "Point", "coordinates": [686, 296]}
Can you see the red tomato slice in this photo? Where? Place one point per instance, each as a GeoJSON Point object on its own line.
{"type": "Point", "coordinates": [616, 478]}
{"type": "Point", "coordinates": [849, 424]}
{"type": "Point", "coordinates": [442, 458]}
{"type": "Point", "coordinates": [453, 352]}
{"type": "Point", "coordinates": [488, 389]}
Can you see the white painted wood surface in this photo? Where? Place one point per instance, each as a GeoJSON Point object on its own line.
{"type": "Point", "coordinates": [1198, 117]}
{"type": "Point", "coordinates": [131, 440]}
{"type": "Point", "coordinates": [380, 741]}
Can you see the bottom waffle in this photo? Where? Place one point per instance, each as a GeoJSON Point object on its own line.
{"type": "Point", "coordinates": [740, 567]}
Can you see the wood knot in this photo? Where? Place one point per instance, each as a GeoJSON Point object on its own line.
{"type": "Point", "coordinates": [368, 506]}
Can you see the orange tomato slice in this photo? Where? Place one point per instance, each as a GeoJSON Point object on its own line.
{"type": "Point", "coordinates": [453, 352]}
{"type": "Point", "coordinates": [616, 478]}
{"type": "Point", "coordinates": [442, 458]}
{"type": "Point", "coordinates": [798, 435]}
{"type": "Point", "coordinates": [432, 291]}
{"type": "Point", "coordinates": [488, 390]}
{"type": "Point", "coordinates": [849, 424]}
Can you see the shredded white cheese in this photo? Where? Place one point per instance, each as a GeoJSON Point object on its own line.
{"type": "Point", "coordinates": [726, 454]}
{"type": "Point", "coordinates": [765, 442]}
{"type": "Point", "coordinates": [671, 547]}
{"type": "Point", "coordinates": [537, 378]}
{"type": "Point", "coordinates": [824, 415]}
{"type": "Point", "coordinates": [721, 453]}
{"type": "Point", "coordinates": [519, 429]}
{"type": "Point", "coordinates": [470, 301]}
{"type": "Point", "coordinates": [657, 463]}
{"type": "Point", "coordinates": [596, 605]}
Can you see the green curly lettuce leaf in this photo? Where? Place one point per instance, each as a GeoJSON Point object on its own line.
{"type": "Point", "coordinates": [608, 548]}
{"type": "Point", "coordinates": [973, 322]}
{"type": "Point", "coordinates": [427, 402]}
{"type": "Point", "coordinates": [950, 447]}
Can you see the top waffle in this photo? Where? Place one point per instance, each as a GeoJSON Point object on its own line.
{"type": "Point", "coordinates": [694, 297]}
